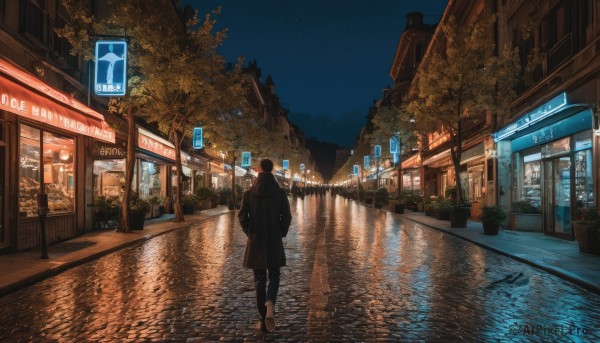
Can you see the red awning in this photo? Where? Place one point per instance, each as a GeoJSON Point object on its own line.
{"type": "Point", "coordinates": [53, 107]}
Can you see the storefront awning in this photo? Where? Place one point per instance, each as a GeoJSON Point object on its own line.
{"type": "Point", "coordinates": [443, 155]}
{"type": "Point", "coordinates": [155, 144]}
{"type": "Point", "coordinates": [476, 152]}
{"type": "Point", "coordinates": [48, 105]}
{"type": "Point", "coordinates": [412, 162]}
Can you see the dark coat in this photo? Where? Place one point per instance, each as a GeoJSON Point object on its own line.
{"type": "Point", "coordinates": [265, 218]}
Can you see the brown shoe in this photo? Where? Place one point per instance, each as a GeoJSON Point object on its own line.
{"type": "Point", "coordinates": [262, 326]}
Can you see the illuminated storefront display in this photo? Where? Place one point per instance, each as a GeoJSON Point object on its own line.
{"type": "Point", "coordinates": [49, 128]}
{"type": "Point", "coordinates": [550, 154]}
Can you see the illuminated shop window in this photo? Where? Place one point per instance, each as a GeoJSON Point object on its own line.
{"type": "Point", "coordinates": [51, 159]}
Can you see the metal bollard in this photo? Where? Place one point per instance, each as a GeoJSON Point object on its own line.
{"type": "Point", "coordinates": [43, 210]}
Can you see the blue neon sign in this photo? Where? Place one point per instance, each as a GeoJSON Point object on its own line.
{"type": "Point", "coordinates": [246, 159]}
{"type": "Point", "coordinates": [367, 162]}
{"type": "Point", "coordinates": [377, 151]}
{"type": "Point", "coordinates": [110, 78]}
{"type": "Point", "coordinates": [393, 146]}
{"type": "Point", "coordinates": [542, 112]}
{"type": "Point", "coordinates": [286, 164]}
{"type": "Point", "coordinates": [355, 170]}
{"type": "Point", "coordinates": [302, 166]}
{"type": "Point", "coordinates": [198, 138]}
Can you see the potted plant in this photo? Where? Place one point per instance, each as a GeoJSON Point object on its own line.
{"type": "Point", "coordinates": [587, 230]}
{"type": "Point", "coordinates": [106, 210]}
{"type": "Point", "coordinates": [418, 200]}
{"type": "Point", "coordinates": [225, 196]}
{"type": "Point", "coordinates": [381, 197]}
{"type": "Point", "coordinates": [205, 196]}
{"type": "Point", "coordinates": [524, 216]}
{"type": "Point", "coordinates": [369, 196]}
{"type": "Point", "coordinates": [459, 214]}
{"type": "Point", "coordinates": [189, 203]}
{"type": "Point", "coordinates": [442, 208]}
{"type": "Point", "coordinates": [137, 211]}
{"type": "Point", "coordinates": [155, 203]}
{"type": "Point", "coordinates": [491, 218]}
{"type": "Point", "coordinates": [397, 205]}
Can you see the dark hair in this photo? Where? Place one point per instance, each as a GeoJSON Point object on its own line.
{"type": "Point", "coordinates": [266, 165]}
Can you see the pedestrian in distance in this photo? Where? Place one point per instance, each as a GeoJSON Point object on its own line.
{"type": "Point", "coordinates": [265, 218]}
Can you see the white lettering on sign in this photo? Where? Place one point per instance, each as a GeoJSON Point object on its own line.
{"type": "Point", "coordinates": [14, 103]}
{"type": "Point", "coordinates": [29, 106]}
{"type": "Point", "coordinates": [155, 146]}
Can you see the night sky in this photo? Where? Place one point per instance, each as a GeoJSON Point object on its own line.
{"type": "Point", "coordinates": [329, 59]}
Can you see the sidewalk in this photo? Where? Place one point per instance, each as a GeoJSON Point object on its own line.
{"type": "Point", "coordinates": [21, 269]}
{"type": "Point", "coordinates": [554, 255]}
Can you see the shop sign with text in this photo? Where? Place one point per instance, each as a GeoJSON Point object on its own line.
{"type": "Point", "coordinates": [103, 150]}
{"type": "Point", "coordinates": [153, 145]}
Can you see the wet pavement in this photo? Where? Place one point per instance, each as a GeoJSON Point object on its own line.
{"type": "Point", "coordinates": [354, 274]}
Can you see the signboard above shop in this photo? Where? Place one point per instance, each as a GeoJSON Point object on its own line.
{"type": "Point", "coordinates": [198, 138]}
{"type": "Point", "coordinates": [111, 68]}
{"type": "Point", "coordinates": [246, 159]}
{"type": "Point", "coordinates": [377, 151]}
{"type": "Point", "coordinates": [54, 108]}
{"type": "Point", "coordinates": [155, 144]}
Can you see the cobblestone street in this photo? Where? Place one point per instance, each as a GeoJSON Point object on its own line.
{"type": "Point", "coordinates": [354, 274]}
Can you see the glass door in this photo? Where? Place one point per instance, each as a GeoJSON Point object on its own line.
{"type": "Point", "coordinates": [557, 197]}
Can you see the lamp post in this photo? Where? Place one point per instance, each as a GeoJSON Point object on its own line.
{"type": "Point", "coordinates": [399, 152]}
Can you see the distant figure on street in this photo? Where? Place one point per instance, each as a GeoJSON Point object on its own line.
{"type": "Point", "coordinates": [265, 218]}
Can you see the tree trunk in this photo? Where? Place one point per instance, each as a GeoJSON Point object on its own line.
{"type": "Point", "coordinates": [123, 225]}
{"type": "Point", "coordinates": [455, 153]}
{"type": "Point", "coordinates": [178, 210]}
{"type": "Point", "coordinates": [233, 195]}
{"type": "Point", "coordinates": [399, 176]}
{"type": "Point", "coordinates": [377, 173]}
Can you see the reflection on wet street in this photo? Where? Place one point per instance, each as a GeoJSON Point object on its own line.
{"type": "Point", "coordinates": [354, 274]}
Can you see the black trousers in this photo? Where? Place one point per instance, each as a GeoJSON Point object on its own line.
{"type": "Point", "coordinates": [264, 293]}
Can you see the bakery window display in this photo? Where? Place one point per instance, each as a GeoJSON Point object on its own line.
{"type": "Point", "coordinates": [49, 159]}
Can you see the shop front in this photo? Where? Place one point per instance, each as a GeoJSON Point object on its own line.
{"type": "Point", "coordinates": [195, 171]}
{"type": "Point", "coordinates": [551, 164]}
{"type": "Point", "coordinates": [472, 176]}
{"type": "Point", "coordinates": [43, 146]}
{"type": "Point", "coordinates": [155, 158]}
{"type": "Point", "coordinates": [411, 173]}
{"type": "Point", "coordinates": [438, 173]}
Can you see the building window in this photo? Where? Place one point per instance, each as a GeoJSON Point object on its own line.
{"type": "Point", "coordinates": [62, 47]}
{"type": "Point", "coordinates": [109, 178]}
{"type": "Point", "coordinates": [150, 180]}
{"type": "Point", "coordinates": [33, 20]}
{"type": "Point", "coordinates": [47, 157]}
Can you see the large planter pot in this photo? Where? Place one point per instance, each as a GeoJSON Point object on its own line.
{"type": "Point", "coordinates": [587, 237]}
{"type": "Point", "coordinates": [137, 220]}
{"type": "Point", "coordinates": [399, 208]}
{"type": "Point", "coordinates": [188, 208]}
{"type": "Point", "coordinates": [459, 216]}
{"type": "Point", "coordinates": [490, 228]}
{"type": "Point", "coordinates": [526, 221]}
{"type": "Point", "coordinates": [442, 214]}
{"type": "Point", "coordinates": [420, 206]}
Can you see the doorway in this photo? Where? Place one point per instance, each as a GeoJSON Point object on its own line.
{"type": "Point", "coordinates": [557, 196]}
